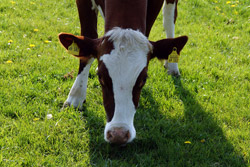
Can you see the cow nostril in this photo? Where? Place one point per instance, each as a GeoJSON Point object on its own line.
{"type": "Point", "coordinates": [109, 135]}
{"type": "Point", "coordinates": [126, 137]}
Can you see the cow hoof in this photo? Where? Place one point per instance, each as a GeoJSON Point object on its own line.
{"type": "Point", "coordinates": [67, 104]}
{"type": "Point", "coordinates": [174, 73]}
{"type": "Point", "coordinates": [172, 69]}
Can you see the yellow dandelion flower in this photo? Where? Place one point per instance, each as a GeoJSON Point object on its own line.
{"type": "Point", "coordinates": [9, 62]}
{"type": "Point", "coordinates": [32, 45]}
{"type": "Point", "coordinates": [12, 2]}
{"type": "Point", "coordinates": [215, 1]}
{"type": "Point", "coordinates": [47, 41]}
{"type": "Point", "coordinates": [233, 6]}
{"type": "Point", "coordinates": [36, 30]}
{"type": "Point", "coordinates": [36, 119]}
{"type": "Point", "coordinates": [228, 2]}
{"type": "Point", "coordinates": [217, 8]}
{"type": "Point", "coordinates": [10, 41]}
{"type": "Point", "coordinates": [187, 142]}
{"type": "Point", "coordinates": [203, 141]}
{"type": "Point", "coordinates": [32, 3]}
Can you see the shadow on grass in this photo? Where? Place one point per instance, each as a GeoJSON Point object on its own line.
{"type": "Point", "coordinates": [160, 140]}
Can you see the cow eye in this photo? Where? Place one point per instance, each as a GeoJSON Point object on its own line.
{"type": "Point", "coordinates": [101, 80]}
{"type": "Point", "coordinates": [143, 81]}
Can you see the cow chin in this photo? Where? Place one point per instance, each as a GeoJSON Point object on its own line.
{"type": "Point", "coordinates": [119, 133]}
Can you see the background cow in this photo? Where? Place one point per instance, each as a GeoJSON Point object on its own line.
{"type": "Point", "coordinates": [123, 54]}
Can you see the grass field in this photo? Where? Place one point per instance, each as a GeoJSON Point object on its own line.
{"type": "Point", "coordinates": [201, 119]}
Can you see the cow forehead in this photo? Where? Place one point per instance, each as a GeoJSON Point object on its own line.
{"type": "Point", "coordinates": [129, 55]}
{"type": "Point", "coordinates": [128, 37]}
{"type": "Point", "coordinates": [125, 67]}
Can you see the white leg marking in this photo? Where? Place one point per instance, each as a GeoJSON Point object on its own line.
{"type": "Point", "coordinates": [169, 26]}
{"type": "Point", "coordinates": [168, 19]}
{"type": "Point", "coordinates": [77, 94]}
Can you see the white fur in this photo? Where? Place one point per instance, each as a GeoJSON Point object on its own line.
{"type": "Point", "coordinates": [124, 64]}
{"type": "Point", "coordinates": [77, 94]}
{"type": "Point", "coordinates": [97, 8]}
{"type": "Point", "coordinates": [94, 6]}
{"type": "Point", "coordinates": [168, 19]}
{"type": "Point", "coordinates": [169, 26]}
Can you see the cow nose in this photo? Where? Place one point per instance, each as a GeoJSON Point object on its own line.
{"type": "Point", "coordinates": [118, 136]}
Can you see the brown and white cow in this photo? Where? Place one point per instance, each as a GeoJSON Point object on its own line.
{"type": "Point", "coordinates": [123, 55]}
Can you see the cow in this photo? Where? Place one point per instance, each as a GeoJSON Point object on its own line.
{"type": "Point", "coordinates": [123, 55]}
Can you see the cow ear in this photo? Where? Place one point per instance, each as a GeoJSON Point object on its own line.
{"type": "Point", "coordinates": [79, 46]}
{"type": "Point", "coordinates": [163, 48]}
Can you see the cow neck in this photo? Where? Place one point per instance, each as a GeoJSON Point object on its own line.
{"type": "Point", "coordinates": [126, 14]}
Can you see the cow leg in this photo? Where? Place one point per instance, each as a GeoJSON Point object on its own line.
{"type": "Point", "coordinates": [169, 18]}
{"type": "Point", "coordinates": [153, 9]}
{"type": "Point", "coordinates": [88, 21]}
{"type": "Point", "coordinates": [77, 94]}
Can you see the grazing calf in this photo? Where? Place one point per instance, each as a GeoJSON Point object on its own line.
{"type": "Point", "coordinates": [123, 55]}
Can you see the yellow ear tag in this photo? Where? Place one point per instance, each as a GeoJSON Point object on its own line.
{"type": "Point", "coordinates": [173, 57]}
{"type": "Point", "coordinates": [74, 49]}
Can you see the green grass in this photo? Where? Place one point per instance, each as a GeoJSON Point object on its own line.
{"type": "Point", "coordinates": [210, 102]}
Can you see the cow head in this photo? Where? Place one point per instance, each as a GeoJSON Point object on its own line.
{"type": "Point", "coordinates": [123, 56]}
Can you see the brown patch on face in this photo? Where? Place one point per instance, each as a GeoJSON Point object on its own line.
{"type": "Point", "coordinates": [107, 90]}
{"type": "Point", "coordinates": [104, 78]}
{"type": "Point", "coordinates": [141, 80]}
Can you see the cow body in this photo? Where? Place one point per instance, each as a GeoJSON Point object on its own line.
{"type": "Point", "coordinates": [123, 54]}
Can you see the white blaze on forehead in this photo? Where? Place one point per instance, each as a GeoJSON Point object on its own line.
{"type": "Point", "coordinates": [124, 64]}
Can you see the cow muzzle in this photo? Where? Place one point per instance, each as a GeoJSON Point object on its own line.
{"type": "Point", "coordinates": [119, 136]}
